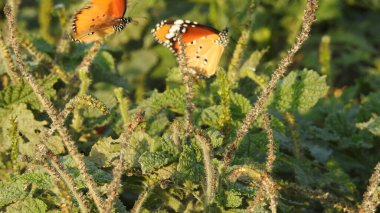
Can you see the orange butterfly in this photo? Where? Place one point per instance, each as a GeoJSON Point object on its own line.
{"type": "Point", "coordinates": [98, 20]}
{"type": "Point", "coordinates": [204, 45]}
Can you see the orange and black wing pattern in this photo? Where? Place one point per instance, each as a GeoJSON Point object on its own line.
{"type": "Point", "coordinates": [204, 45]}
{"type": "Point", "coordinates": [98, 20]}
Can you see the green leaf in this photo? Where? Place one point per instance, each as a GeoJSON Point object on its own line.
{"type": "Point", "coordinates": [233, 199]}
{"type": "Point", "coordinates": [23, 93]}
{"type": "Point", "coordinates": [29, 205]}
{"type": "Point", "coordinates": [32, 132]}
{"type": "Point", "coordinates": [173, 99]}
{"type": "Point", "coordinates": [299, 91]}
{"type": "Point", "coordinates": [373, 125]}
{"type": "Point", "coordinates": [105, 151]}
{"type": "Point", "coordinates": [151, 161]}
{"type": "Point", "coordinates": [190, 164]}
{"type": "Point", "coordinates": [158, 125]}
{"type": "Point", "coordinates": [12, 191]}
{"type": "Point", "coordinates": [249, 66]}
{"type": "Point", "coordinates": [239, 105]}
{"type": "Point", "coordinates": [211, 116]}
{"type": "Point", "coordinates": [17, 188]}
{"type": "Point", "coordinates": [99, 176]}
{"type": "Point", "coordinates": [139, 143]}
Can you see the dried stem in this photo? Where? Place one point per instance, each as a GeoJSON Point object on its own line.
{"type": "Point", "coordinates": [7, 60]}
{"type": "Point", "coordinates": [202, 140]}
{"type": "Point", "coordinates": [81, 101]}
{"type": "Point", "coordinates": [372, 196]}
{"type": "Point", "coordinates": [64, 194]}
{"type": "Point", "coordinates": [57, 121]}
{"type": "Point", "coordinates": [308, 19]}
{"type": "Point", "coordinates": [140, 201]}
{"type": "Point", "coordinates": [323, 197]}
{"type": "Point", "coordinates": [271, 156]}
{"type": "Point", "coordinates": [13, 132]}
{"type": "Point", "coordinates": [89, 58]}
{"type": "Point", "coordinates": [40, 56]}
{"type": "Point", "coordinates": [63, 175]}
{"type": "Point", "coordinates": [188, 83]}
{"type": "Point", "coordinates": [119, 168]}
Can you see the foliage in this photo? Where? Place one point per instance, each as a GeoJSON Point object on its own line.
{"type": "Point", "coordinates": [324, 112]}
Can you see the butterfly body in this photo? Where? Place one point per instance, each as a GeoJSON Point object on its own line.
{"type": "Point", "coordinates": [204, 45]}
{"type": "Point", "coordinates": [98, 20]}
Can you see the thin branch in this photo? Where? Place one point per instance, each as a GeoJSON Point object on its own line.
{"type": "Point", "coordinates": [271, 157]}
{"type": "Point", "coordinates": [308, 19]}
{"type": "Point", "coordinates": [8, 62]}
{"type": "Point", "coordinates": [271, 153]}
{"type": "Point", "coordinates": [57, 121]}
{"type": "Point", "coordinates": [202, 140]}
{"type": "Point", "coordinates": [188, 83]}
{"type": "Point", "coordinates": [324, 197]}
{"type": "Point", "coordinates": [256, 178]}
{"type": "Point", "coordinates": [89, 58]}
{"type": "Point", "coordinates": [140, 201]}
{"type": "Point", "coordinates": [86, 100]}
{"type": "Point", "coordinates": [60, 172]}
{"type": "Point", "coordinates": [41, 56]}
{"type": "Point", "coordinates": [120, 167]}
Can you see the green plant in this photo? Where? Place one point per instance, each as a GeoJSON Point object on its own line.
{"type": "Point", "coordinates": [110, 127]}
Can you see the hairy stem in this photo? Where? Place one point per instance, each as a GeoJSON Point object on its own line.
{"type": "Point", "coordinates": [372, 196]}
{"type": "Point", "coordinates": [140, 201]}
{"type": "Point", "coordinates": [308, 19]}
{"type": "Point", "coordinates": [118, 170]}
{"type": "Point", "coordinates": [57, 121]}
{"type": "Point", "coordinates": [202, 140]}
{"type": "Point", "coordinates": [63, 175]}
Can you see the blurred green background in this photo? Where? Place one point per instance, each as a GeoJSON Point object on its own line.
{"type": "Point", "coordinates": [350, 27]}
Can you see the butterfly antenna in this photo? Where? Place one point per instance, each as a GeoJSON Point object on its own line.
{"type": "Point", "coordinates": [133, 6]}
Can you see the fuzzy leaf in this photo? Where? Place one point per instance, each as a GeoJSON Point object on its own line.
{"type": "Point", "coordinates": [12, 191]}
{"type": "Point", "coordinates": [233, 199]}
{"type": "Point", "coordinates": [172, 99]}
{"type": "Point", "coordinates": [104, 152]}
{"type": "Point", "coordinates": [138, 143]}
{"type": "Point", "coordinates": [239, 105]}
{"type": "Point", "coordinates": [216, 137]}
{"type": "Point", "coordinates": [31, 130]}
{"type": "Point", "coordinates": [17, 188]}
{"type": "Point", "coordinates": [23, 93]}
{"type": "Point", "coordinates": [299, 91]}
{"type": "Point", "coordinates": [29, 205]}
{"type": "Point", "coordinates": [373, 125]}
{"type": "Point", "coordinates": [190, 164]}
{"type": "Point", "coordinates": [151, 161]}
{"type": "Point", "coordinates": [211, 116]}
{"type": "Point", "coordinates": [100, 176]}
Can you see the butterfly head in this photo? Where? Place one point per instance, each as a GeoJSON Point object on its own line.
{"type": "Point", "coordinates": [224, 39]}
{"type": "Point", "coordinates": [126, 20]}
{"type": "Point", "coordinates": [121, 23]}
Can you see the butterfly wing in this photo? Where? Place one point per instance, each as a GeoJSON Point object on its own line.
{"type": "Point", "coordinates": [204, 45]}
{"type": "Point", "coordinates": [204, 55]}
{"type": "Point", "coordinates": [98, 20]}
